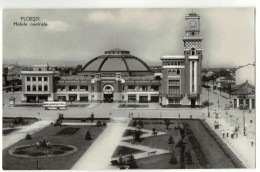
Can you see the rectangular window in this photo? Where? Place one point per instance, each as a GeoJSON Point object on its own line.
{"type": "Point", "coordinates": [174, 90]}
{"type": "Point", "coordinates": [28, 78]}
{"type": "Point", "coordinates": [83, 88]}
{"type": "Point", "coordinates": [45, 78]}
{"type": "Point", "coordinates": [174, 82]}
{"type": "Point", "coordinates": [45, 87]}
{"type": "Point", "coordinates": [61, 88]}
{"type": "Point", "coordinates": [34, 87]}
{"type": "Point", "coordinates": [174, 101]}
{"type": "Point", "coordinates": [131, 87]}
{"type": "Point", "coordinates": [34, 78]}
{"type": "Point", "coordinates": [155, 88]}
{"type": "Point", "coordinates": [143, 88]}
{"type": "Point", "coordinates": [39, 88]}
{"type": "Point", "coordinates": [192, 77]}
{"type": "Point", "coordinates": [72, 88]}
{"type": "Point", "coordinates": [131, 97]}
{"type": "Point", "coordinates": [28, 88]}
{"type": "Point", "coordinates": [39, 78]}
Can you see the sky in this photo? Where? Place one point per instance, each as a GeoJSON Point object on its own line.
{"type": "Point", "coordinates": [75, 36]}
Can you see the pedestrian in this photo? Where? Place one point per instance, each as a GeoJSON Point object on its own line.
{"type": "Point", "coordinates": [223, 133]}
{"type": "Point", "coordinates": [129, 115]}
{"type": "Point", "coordinates": [232, 134]}
{"type": "Point", "coordinates": [227, 132]}
{"type": "Point", "coordinates": [179, 115]}
{"type": "Point", "coordinates": [252, 142]}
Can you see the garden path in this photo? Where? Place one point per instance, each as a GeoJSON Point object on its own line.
{"type": "Point", "coordinates": [98, 155]}
{"type": "Point", "coordinates": [146, 149]}
{"type": "Point", "coordinates": [21, 133]}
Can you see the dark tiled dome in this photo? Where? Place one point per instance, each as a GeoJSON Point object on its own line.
{"type": "Point", "coordinates": [116, 60]}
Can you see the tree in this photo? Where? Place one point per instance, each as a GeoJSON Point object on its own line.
{"type": "Point", "coordinates": [137, 136]}
{"type": "Point", "coordinates": [188, 157]}
{"type": "Point", "coordinates": [204, 79]}
{"type": "Point", "coordinates": [171, 141]}
{"type": "Point", "coordinates": [173, 159]}
{"type": "Point", "coordinates": [167, 123]}
{"type": "Point", "coordinates": [141, 124]}
{"type": "Point", "coordinates": [88, 136]}
{"type": "Point", "coordinates": [134, 123]}
{"type": "Point", "coordinates": [182, 160]}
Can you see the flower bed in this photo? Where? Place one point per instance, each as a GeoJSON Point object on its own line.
{"type": "Point", "coordinates": [32, 151]}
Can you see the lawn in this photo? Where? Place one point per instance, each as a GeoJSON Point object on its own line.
{"type": "Point", "coordinates": [76, 138]}
{"type": "Point", "coordinates": [206, 154]}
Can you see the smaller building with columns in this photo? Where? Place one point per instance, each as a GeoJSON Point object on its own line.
{"type": "Point", "coordinates": [244, 94]}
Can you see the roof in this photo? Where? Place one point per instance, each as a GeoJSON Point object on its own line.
{"type": "Point", "coordinates": [243, 89]}
{"type": "Point", "coordinates": [123, 61]}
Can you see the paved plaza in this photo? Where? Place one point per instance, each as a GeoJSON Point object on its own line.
{"type": "Point", "coordinates": [228, 119]}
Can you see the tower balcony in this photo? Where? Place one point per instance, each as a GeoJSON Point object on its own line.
{"type": "Point", "coordinates": [193, 95]}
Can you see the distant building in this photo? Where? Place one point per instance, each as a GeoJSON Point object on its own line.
{"type": "Point", "coordinates": [246, 73]}
{"type": "Point", "coordinates": [244, 94]}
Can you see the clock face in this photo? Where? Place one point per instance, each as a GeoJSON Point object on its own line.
{"type": "Point", "coordinates": [193, 23]}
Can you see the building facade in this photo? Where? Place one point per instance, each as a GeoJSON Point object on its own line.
{"type": "Point", "coordinates": [118, 76]}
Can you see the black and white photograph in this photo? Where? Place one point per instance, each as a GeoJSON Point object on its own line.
{"type": "Point", "coordinates": [128, 88]}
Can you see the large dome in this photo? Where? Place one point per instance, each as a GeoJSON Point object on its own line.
{"type": "Point", "coordinates": [116, 60]}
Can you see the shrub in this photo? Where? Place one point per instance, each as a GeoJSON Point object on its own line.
{"type": "Point", "coordinates": [171, 141]}
{"type": "Point", "coordinates": [188, 157]}
{"type": "Point", "coordinates": [182, 160]}
{"type": "Point", "coordinates": [28, 137]}
{"type": "Point", "coordinates": [173, 159]}
{"type": "Point", "coordinates": [88, 136]}
{"type": "Point", "coordinates": [104, 124]}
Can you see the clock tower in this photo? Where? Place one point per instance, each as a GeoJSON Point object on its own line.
{"type": "Point", "coordinates": [193, 57]}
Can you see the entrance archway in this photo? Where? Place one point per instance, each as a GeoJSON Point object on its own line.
{"type": "Point", "coordinates": [108, 91]}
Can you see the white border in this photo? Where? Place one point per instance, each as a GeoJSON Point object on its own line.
{"type": "Point", "coordinates": [136, 4]}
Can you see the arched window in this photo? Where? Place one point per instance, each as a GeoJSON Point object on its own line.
{"type": "Point", "coordinates": [193, 51]}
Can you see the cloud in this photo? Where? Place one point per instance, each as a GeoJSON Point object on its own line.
{"type": "Point", "coordinates": [56, 26]}
{"type": "Point", "coordinates": [100, 16]}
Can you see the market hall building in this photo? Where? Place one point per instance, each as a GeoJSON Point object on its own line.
{"type": "Point", "coordinates": [118, 76]}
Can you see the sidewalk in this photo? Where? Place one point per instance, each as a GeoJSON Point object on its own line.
{"type": "Point", "coordinates": [241, 146]}
{"type": "Point", "coordinates": [98, 155]}
{"type": "Point", "coordinates": [20, 134]}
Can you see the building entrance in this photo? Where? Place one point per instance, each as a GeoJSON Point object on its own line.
{"type": "Point", "coordinates": [108, 91]}
{"type": "Point", "coordinates": [108, 98]}
{"type": "Point", "coordinates": [193, 103]}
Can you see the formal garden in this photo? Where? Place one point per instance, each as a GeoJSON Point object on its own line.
{"type": "Point", "coordinates": [172, 144]}
{"type": "Point", "coordinates": [56, 146]}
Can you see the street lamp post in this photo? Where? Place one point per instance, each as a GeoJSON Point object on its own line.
{"type": "Point", "coordinates": [244, 120]}
{"type": "Point", "coordinates": [208, 104]}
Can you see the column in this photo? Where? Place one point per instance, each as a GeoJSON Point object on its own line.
{"type": "Point", "coordinates": [195, 76]}
{"type": "Point", "coordinates": [190, 76]}
{"type": "Point", "coordinates": [250, 103]}
{"type": "Point", "coordinates": [78, 97]}
{"type": "Point", "coordinates": [237, 103]}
